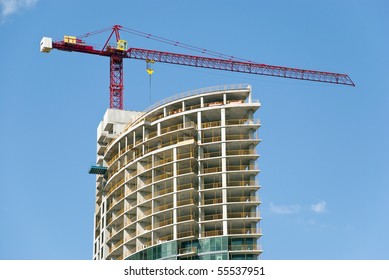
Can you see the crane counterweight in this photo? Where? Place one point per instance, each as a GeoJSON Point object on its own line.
{"type": "Point", "coordinates": [46, 44]}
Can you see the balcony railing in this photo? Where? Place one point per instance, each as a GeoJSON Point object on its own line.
{"type": "Point", "coordinates": [242, 215]}
{"type": "Point", "coordinates": [242, 122]}
{"type": "Point", "coordinates": [152, 134]}
{"type": "Point", "coordinates": [211, 124]}
{"type": "Point", "coordinates": [244, 231]}
{"type": "Point", "coordinates": [212, 201]}
{"type": "Point", "coordinates": [156, 118]}
{"type": "Point", "coordinates": [186, 170]}
{"type": "Point", "coordinates": [241, 137]}
{"type": "Point", "coordinates": [243, 199]}
{"type": "Point", "coordinates": [163, 223]}
{"type": "Point", "coordinates": [177, 127]}
{"type": "Point", "coordinates": [114, 186]}
{"type": "Point", "coordinates": [186, 155]}
{"type": "Point", "coordinates": [163, 238]}
{"type": "Point", "coordinates": [115, 201]}
{"type": "Point", "coordinates": [244, 247]}
{"type": "Point", "coordinates": [185, 202]}
{"type": "Point", "coordinates": [185, 218]}
{"type": "Point", "coordinates": [212, 217]}
{"type": "Point", "coordinates": [160, 177]}
{"type": "Point", "coordinates": [131, 251]}
{"type": "Point", "coordinates": [163, 207]}
{"type": "Point", "coordinates": [211, 139]}
{"type": "Point", "coordinates": [116, 245]}
{"type": "Point", "coordinates": [241, 183]}
{"type": "Point", "coordinates": [188, 250]}
{"type": "Point", "coordinates": [209, 233]}
{"type": "Point", "coordinates": [240, 152]}
{"type": "Point", "coordinates": [212, 185]}
{"type": "Point", "coordinates": [195, 92]}
{"type": "Point", "coordinates": [212, 154]}
{"type": "Point", "coordinates": [242, 167]}
{"type": "Point", "coordinates": [144, 213]}
{"type": "Point", "coordinates": [185, 186]}
{"type": "Point", "coordinates": [162, 192]}
{"type": "Point", "coordinates": [163, 161]}
{"type": "Point", "coordinates": [211, 169]}
{"type": "Point", "coordinates": [186, 233]}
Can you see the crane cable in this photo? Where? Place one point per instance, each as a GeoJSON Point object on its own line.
{"type": "Point", "coordinates": [150, 71]}
{"type": "Point", "coordinates": [182, 45]}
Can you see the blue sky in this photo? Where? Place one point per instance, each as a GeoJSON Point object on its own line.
{"type": "Point", "coordinates": [324, 155]}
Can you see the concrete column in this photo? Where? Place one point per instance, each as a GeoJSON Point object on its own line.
{"type": "Point", "coordinates": [152, 201]}
{"type": "Point", "coordinates": [199, 127]}
{"type": "Point", "coordinates": [250, 100]}
{"type": "Point", "coordinates": [119, 149]}
{"type": "Point", "coordinates": [199, 155]}
{"type": "Point", "coordinates": [126, 144]}
{"type": "Point", "coordinates": [175, 193]}
{"type": "Point", "coordinates": [224, 170]}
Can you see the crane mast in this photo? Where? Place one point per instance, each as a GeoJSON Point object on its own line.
{"type": "Point", "coordinates": [120, 51]}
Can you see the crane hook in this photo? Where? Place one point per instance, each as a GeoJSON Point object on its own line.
{"type": "Point", "coordinates": [149, 69]}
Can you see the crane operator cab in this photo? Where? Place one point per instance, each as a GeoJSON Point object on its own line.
{"type": "Point", "coordinates": [122, 45]}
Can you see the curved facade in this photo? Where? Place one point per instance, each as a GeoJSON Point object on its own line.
{"type": "Point", "coordinates": [179, 181]}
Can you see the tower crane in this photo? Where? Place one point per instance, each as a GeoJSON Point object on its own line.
{"type": "Point", "coordinates": [120, 50]}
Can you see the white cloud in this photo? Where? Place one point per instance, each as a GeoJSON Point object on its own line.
{"type": "Point", "coordinates": [9, 7]}
{"type": "Point", "coordinates": [319, 207]}
{"type": "Point", "coordinates": [284, 209]}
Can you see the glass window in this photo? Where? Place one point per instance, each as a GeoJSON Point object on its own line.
{"type": "Point", "coordinates": [212, 244]}
{"type": "Point", "coordinates": [218, 244]}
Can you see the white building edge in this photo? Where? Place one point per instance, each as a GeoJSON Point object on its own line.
{"type": "Point", "coordinates": [179, 181]}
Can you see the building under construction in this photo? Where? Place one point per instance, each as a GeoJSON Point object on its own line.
{"type": "Point", "coordinates": [179, 181]}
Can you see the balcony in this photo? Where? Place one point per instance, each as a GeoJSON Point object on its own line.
{"type": "Point", "coordinates": [251, 167]}
{"type": "Point", "coordinates": [185, 186]}
{"type": "Point", "coordinates": [185, 218]}
{"type": "Point", "coordinates": [162, 223]}
{"type": "Point", "coordinates": [242, 215]}
{"type": "Point", "coordinates": [212, 217]}
{"type": "Point", "coordinates": [212, 185]}
{"type": "Point", "coordinates": [242, 136]}
{"type": "Point", "coordinates": [211, 170]}
{"type": "Point", "coordinates": [116, 245]}
{"type": "Point", "coordinates": [185, 202]}
{"type": "Point", "coordinates": [188, 233]}
{"type": "Point", "coordinates": [163, 191]}
{"type": "Point", "coordinates": [209, 233]}
{"type": "Point", "coordinates": [241, 122]}
{"type": "Point", "coordinates": [163, 207]}
{"type": "Point", "coordinates": [188, 250]}
{"type": "Point", "coordinates": [212, 154]}
{"type": "Point", "coordinates": [211, 139]}
{"type": "Point", "coordinates": [244, 231]}
{"type": "Point", "coordinates": [211, 124]}
{"type": "Point", "coordinates": [243, 199]}
{"type": "Point", "coordinates": [240, 152]}
{"type": "Point", "coordinates": [244, 247]}
{"type": "Point", "coordinates": [212, 201]}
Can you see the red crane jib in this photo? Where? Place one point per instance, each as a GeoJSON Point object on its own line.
{"type": "Point", "coordinates": [116, 66]}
